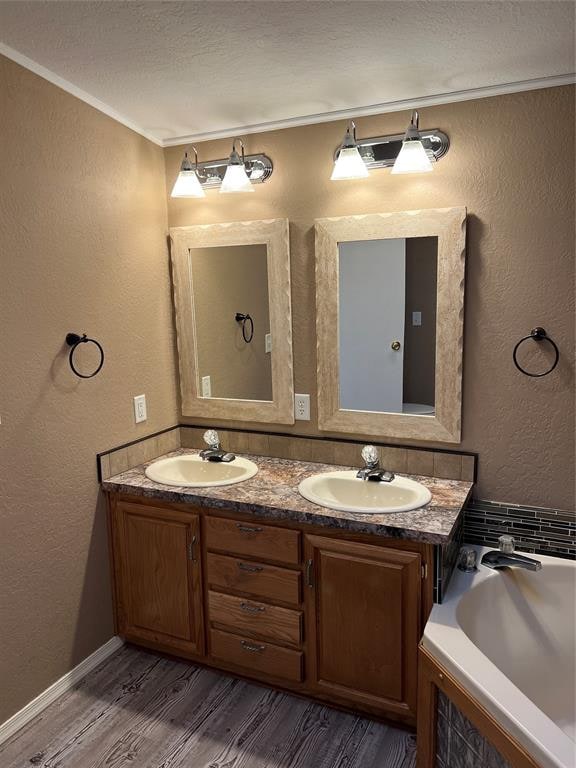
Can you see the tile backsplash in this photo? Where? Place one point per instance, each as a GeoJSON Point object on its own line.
{"type": "Point", "coordinates": [125, 457]}
{"type": "Point", "coordinates": [536, 529]}
{"type": "Point", "coordinates": [452, 465]}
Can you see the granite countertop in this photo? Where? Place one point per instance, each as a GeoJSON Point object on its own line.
{"type": "Point", "coordinates": [273, 493]}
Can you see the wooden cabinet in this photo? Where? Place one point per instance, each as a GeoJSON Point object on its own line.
{"type": "Point", "coordinates": [363, 608]}
{"type": "Point", "coordinates": [323, 613]}
{"type": "Point", "coordinates": [157, 562]}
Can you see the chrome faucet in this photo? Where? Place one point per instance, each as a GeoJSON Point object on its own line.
{"type": "Point", "coordinates": [505, 557]}
{"type": "Point", "coordinates": [214, 452]}
{"type": "Point", "coordinates": [371, 469]}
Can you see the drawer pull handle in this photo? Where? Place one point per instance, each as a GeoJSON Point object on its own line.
{"type": "Point", "coordinates": [252, 647]}
{"type": "Point", "coordinates": [248, 528]}
{"type": "Point", "coordinates": [250, 568]}
{"type": "Point", "coordinates": [247, 608]}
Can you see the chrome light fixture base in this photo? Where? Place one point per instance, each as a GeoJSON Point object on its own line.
{"type": "Point", "coordinates": [258, 167]}
{"type": "Point", "coordinates": [382, 151]}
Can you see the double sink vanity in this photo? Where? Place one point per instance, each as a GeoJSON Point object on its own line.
{"type": "Point", "coordinates": [314, 578]}
{"type": "Point", "coordinates": [229, 565]}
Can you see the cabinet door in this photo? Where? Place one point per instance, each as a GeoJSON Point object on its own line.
{"type": "Point", "coordinates": [158, 569]}
{"type": "Point", "coordinates": [363, 607]}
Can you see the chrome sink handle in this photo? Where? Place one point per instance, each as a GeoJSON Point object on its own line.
{"type": "Point", "coordinates": [371, 469]}
{"type": "Point", "coordinates": [214, 452]}
{"type": "Point", "coordinates": [370, 456]}
{"type": "Point", "coordinates": [212, 439]}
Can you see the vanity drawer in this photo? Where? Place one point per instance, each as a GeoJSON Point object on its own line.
{"type": "Point", "coordinates": [255, 539]}
{"type": "Point", "coordinates": [248, 616]}
{"type": "Point", "coordinates": [257, 579]}
{"type": "Point", "coordinates": [256, 655]}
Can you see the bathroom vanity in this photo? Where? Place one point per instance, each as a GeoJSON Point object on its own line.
{"type": "Point", "coordinates": [255, 580]}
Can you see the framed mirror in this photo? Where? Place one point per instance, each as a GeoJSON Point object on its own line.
{"type": "Point", "coordinates": [390, 313]}
{"type": "Point", "coordinates": [233, 320]}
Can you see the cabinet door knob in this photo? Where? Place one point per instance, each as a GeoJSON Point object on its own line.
{"type": "Point", "coordinates": [395, 345]}
{"type": "Point", "coordinates": [191, 549]}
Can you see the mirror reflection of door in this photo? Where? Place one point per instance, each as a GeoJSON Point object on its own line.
{"type": "Point", "coordinates": [387, 325]}
{"type": "Point", "coordinates": [226, 281]}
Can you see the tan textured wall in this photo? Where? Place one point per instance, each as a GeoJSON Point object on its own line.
{"type": "Point", "coordinates": [511, 163]}
{"type": "Point", "coordinates": [82, 248]}
{"type": "Point", "coordinates": [228, 280]}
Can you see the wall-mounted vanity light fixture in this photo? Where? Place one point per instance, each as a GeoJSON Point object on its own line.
{"type": "Point", "coordinates": [385, 151]}
{"type": "Point", "coordinates": [187, 183]}
{"type": "Point", "coordinates": [236, 173]}
{"type": "Point", "coordinates": [348, 163]}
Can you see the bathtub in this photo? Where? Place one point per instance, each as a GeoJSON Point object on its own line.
{"type": "Point", "coordinates": [509, 638]}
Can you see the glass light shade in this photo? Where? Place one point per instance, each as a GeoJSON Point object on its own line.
{"type": "Point", "coordinates": [187, 185]}
{"type": "Point", "coordinates": [349, 165]}
{"type": "Point", "coordinates": [236, 180]}
{"type": "Point", "coordinates": [412, 158]}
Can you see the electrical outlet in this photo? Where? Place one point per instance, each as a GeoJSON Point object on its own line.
{"type": "Point", "coordinates": [268, 343]}
{"type": "Point", "coordinates": [302, 407]}
{"type": "Point", "coordinates": [206, 386]}
{"type": "Point", "coordinates": [416, 318]}
{"type": "Point", "coordinates": [140, 413]}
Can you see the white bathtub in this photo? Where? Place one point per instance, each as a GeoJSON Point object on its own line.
{"type": "Point", "coordinates": [509, 638]}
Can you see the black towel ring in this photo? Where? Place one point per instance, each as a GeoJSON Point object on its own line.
{"type": "Point", "coordinates": [245, 319]}
{"type": "Point", "coordinates": [538, 334]}
{"type": "Point", "coordinates": [73, 340]}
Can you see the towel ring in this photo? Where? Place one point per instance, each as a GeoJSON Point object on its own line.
{"type": "Point", "coordinates": [538, 334]}
{"type": "Point", "coordinates": [245, 319]}
{"type": "Point", "coordinates": [73, 340]}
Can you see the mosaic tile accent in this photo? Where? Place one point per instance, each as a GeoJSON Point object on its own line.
{"type": "Point", "coordinates": [445, 558]}
{"type": "Point", "coordinates": [459, 744]}
{"type": "Point", "coordinates": [536, 529]}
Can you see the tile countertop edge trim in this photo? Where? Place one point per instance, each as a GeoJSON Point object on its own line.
{"type": "Point", "coordinates": [280, 514]}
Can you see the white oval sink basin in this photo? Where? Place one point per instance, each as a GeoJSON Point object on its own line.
{"type": "Point", "coordinates": [191, 470]}
{"type": "Point", "coordinates": [343, 491]}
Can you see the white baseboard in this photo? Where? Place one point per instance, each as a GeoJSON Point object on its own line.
{"type": "Point", "coordinates": [62, 685]}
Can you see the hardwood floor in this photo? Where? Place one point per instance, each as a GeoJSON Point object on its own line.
{"type": "Point", "coordinates": [142, 710]}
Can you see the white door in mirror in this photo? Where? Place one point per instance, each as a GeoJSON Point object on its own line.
{"type": "Point", "coordinates": [191, 471]}
{"type": "Point", "coordinates": [345, 492]}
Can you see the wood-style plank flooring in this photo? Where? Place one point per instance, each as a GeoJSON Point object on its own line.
{"type": "Point", "coordinates": [142, 710]}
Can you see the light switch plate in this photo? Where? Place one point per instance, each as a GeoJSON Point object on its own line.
{"type": "Point", "coordinates": [416, 318]}
{"type": "Point", "coordinates": [140, 412]}
{"type": "Point", "coordinates": [268, 343]}
{"type": "Point", "coordinates": [302, 407]}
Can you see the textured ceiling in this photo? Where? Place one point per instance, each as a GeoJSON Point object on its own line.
{"type": "Point", "coordinates": [176, 69]}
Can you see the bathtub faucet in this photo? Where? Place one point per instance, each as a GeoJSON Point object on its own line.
{"type": "Point", "coordinates": [505, 557]}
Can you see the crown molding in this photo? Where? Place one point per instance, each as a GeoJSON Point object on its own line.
{"type": "Point", "coordinates": [379, 109]}
{"type": "Point", "coordinates": [72, 89]}
{"type": "Point", "coordinates": [291, 122]}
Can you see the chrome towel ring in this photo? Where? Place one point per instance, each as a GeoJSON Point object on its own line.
{"type": "Point", "coordinates": [538, 334]}
{"type": "Point", "coordinates": [73, 340]}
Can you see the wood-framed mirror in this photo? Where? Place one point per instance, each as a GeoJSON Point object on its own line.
{"type": "Point", "coordinates": [389, 322]}
{"type": "Point", "coordinates": [234, 320]}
